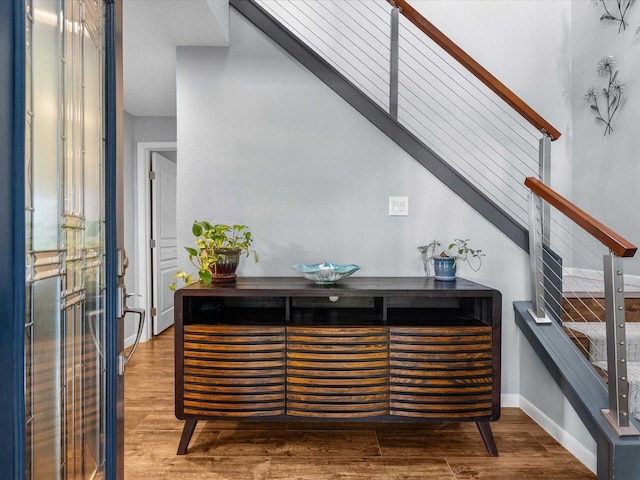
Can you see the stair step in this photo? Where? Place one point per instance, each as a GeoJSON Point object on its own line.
{"type": "Point", "coordinates": [595, 333]}
{"type": "Point", "coordinates": [591, 309]}
{"type": "Point", "coordinates": [583, 299]}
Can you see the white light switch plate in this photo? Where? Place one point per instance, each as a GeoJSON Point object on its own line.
{"type": "Point", "coordinates": [399, 206]}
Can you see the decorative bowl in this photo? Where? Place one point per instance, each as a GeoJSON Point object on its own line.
{"type": "Point", "coordinates": [325, 273]}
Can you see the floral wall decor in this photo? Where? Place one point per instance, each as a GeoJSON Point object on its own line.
{"type": "Point", "coordinates": [606, 107]}
{"type": "Point", "coordinates": [615, 11]}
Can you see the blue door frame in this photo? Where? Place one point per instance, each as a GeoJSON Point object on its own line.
{"type": "Point", "coordinates": [12, 242]}
{"type": "Point", "coordinates": [12, 238]}
{"type": "Point", "coordinates": [113, 138]}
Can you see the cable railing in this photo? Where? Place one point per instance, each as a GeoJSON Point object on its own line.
{"type": "Point", "coordinates": [577, 279]}
{"type": "Point", "coordinates": [431, 87]}
{"type": "Point", "coordinates": [462, 121]}
{"type": "Point", "coordinates": [475, 68]}
{"type": "Point", "coordinates": [347, 37]}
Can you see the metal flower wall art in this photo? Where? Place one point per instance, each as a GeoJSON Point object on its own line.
{"type": "Point", "coordinates": [606, 106]}
{"type": "Point", "coordinates": [617, 12]}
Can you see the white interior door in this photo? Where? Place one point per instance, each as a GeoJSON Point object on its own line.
{"type": "Point", "coordinates": [164, 253]}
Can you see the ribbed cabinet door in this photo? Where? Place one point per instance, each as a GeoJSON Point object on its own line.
{"type": "Point", "coordinates": [234, 371]}
{"type": "Point", "coordinates": [337, 372]}
{"type": "Point", "coordinates": [441, 372]}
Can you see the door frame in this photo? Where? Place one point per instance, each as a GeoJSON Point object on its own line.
{"type": "Point", "coordinates": [143, 231]}
{"type": "Point", "coordinates": [12, 239]}
{"type": "Point", "coordinates": [114, 239]}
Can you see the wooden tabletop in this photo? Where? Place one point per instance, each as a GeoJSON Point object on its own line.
{"type": "Point", "coordinates": [353, 286]}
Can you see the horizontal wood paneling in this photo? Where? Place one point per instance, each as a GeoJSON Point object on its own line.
{"type": "Point", "coordinates": [347, 380]}
{"type": "Point", "coordinates": [199, 375]}
{"type": "Point", "coordinates": [342, 387]}
{"type": "Point", "coordinates": [440, 372]}
{"type": "Point", "coordinates": [234, 371]}
{"type": "Point", "coordinates": [361, 374]}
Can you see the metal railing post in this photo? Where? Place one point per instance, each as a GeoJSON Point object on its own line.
{"type": "Point", "coordinates": [544, 175]}
{"type": "Point", "coordinates": [536, 263]}
{"type": "Point", "coordinates": [618, 412]}
{"type": "Point", "coordinates": [393, 58]}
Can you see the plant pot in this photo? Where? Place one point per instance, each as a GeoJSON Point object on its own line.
{"type": "Point", "coordinates": [445, 268]}
{"type": "Point", "coordinates": [224, 270]}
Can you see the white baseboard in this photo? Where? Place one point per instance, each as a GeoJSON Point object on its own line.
{"type": "Point", "coordinates": [568, 441]}
{"type": "Point", "coordinates": [510, 400]}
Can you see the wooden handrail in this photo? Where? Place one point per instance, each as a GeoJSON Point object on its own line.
{"type": "Point", "coordinates": [608, 237]}
{"type": "Point", "coordinates": [476, 69]}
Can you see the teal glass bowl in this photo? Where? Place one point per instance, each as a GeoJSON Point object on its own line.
{"type": "Point", "coordinates": [325, 273]}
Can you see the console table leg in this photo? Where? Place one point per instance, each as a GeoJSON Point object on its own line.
{"type": "Point", "coordinates": [187, 432]}
{"type": "Point", "coordinates": [487, 438]}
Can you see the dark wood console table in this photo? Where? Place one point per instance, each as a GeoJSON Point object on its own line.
{"type": "Point", "coordinates": [366, 349]}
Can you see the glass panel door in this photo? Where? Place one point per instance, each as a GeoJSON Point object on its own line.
{"type": "Point", "coordinates": [65, 287]}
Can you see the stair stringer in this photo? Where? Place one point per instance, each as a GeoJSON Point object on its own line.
{"type": "Point", "coordinates": [384, 122]}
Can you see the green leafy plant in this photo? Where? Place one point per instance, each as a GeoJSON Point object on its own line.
{"type": "Point", "coordinates": [459, 250]}
{"type": "Point", "coordinates": [613, 94]}
{"type": "Point", "coordinates": [212, 241]}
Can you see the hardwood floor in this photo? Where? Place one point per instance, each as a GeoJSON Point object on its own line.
{"type": "Point", "coordinates": [321, 451]}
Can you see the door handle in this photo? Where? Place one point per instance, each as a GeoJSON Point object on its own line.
{"type": "Point", "coordinates": [141, 313]}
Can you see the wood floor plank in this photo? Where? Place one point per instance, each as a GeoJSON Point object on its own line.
{"type": "Point", "coordinates": [324, 444]}
{"type": "Point", "coordinates": [159, 421]}
{"type": "Point", "coordinates": [447, 443]}
{"type": "Point", "coordinates": [353, 425]}
{"type": "Point", "coordinates": [133, 418]}
{"type": "Point", "coordinates": [359, 469]}
{"type": "Point", "coordinates": [161, 445]}
{"type": "Point", "coordinates": [510, 468]}
{"type": "Point", "coordinates": [333, 450]}
{"type": "Point", "coordinates": [241, 425]}
{"type": "Point", "coordinates": [200, 468]}
{"type": "Point", "coordinates": [510, 419]}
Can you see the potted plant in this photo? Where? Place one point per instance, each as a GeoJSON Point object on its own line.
{"type": "Point", "coordinates": [445, 259]}
{"type": "Point", "coordinates": [217, 252]}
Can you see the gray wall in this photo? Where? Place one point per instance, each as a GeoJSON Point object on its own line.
{"type": "Point", "coordinates": [264, 143]}
{"type": "Point", "coordinates": [608, 166]}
